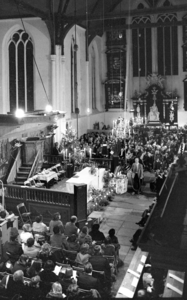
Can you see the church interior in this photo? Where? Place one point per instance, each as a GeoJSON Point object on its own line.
{"type": "Point", "coordinates": [93, 149]}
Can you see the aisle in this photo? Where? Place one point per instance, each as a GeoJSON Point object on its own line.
{"type": "Point", "coordinates": [122, 214]}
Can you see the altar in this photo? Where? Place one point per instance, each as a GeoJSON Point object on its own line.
{"type": "Point", "coordinates": [155, 106]}
{"type": "Point", "coordinates": [85, 177]}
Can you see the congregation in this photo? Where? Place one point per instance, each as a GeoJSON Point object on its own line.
{"type": "Point", "coordinates": [59, 261]}
{"type": "Point", "coordinates": [62, 261]}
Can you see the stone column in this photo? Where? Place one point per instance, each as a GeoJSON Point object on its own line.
{"type": "Point", "coordinates": [53, 80]}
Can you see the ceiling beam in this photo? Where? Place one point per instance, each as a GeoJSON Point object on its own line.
{"type": "Point", "coordinates": [95, 6]}
{"type": "Point", "coordinates": [114, 5]}
{"type": "Point", "coordinates": [21, 5]}
{"type": "Point", "coordinates": [50, 24]}
{"type": "Point", "coordinates": [135, 12]}
{"type": "Point", "coordinates": [65, 6]}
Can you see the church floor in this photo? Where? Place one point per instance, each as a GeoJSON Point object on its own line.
{"type": "Point", "coordinates": [122, 214]}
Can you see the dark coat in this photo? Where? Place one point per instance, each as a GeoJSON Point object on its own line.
{"type": "Point", "coordinates": [87, 282]}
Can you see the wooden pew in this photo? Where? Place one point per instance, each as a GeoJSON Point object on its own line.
{"type": "Point", "coordinates": [130, 282]}
{"type": "Point", "coordinates": [174, 284]}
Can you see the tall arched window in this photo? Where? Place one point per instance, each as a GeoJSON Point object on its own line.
{"type": "Point", "coordinates": [72, 81]}
{"type": "Point", "coordinates": [74, 84]}
{"type": "Point", "coordinates": [142, 51]}
{"type": "Point", "coordinates": [167, 45]}
{"type": "Point", "coordinates": [21, 81]}
{"type": "Point", "coordinates": [93, 72]}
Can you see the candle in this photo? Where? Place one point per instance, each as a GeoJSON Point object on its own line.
{"type": "Point", "coordinates": [90, 153]}
{"type": "Point", "coordinates": [66, 153]}
{"type": "Point", "coordinates": [69, 157]}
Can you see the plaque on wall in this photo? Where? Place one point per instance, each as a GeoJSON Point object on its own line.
{"type": "Point", "coordinates": [116, 63]}
{"type": "Point", "coordinates": [114, 90]}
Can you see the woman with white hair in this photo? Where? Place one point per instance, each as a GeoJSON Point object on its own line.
{"type": "Point", "coordinates": [25, 234]}
{"type": "Point", "coordinates": [56, 292]}
{"type": "Point", "coordinates": [14, 284]}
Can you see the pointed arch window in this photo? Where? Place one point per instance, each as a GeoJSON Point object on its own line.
{"type": "Point", "coordinates": [93, 63]}
{"type": "Point", "coordinates": [167, 45]}
{"type": "Point", "coordinates": [142, 51]}
{"type": "Point", "coordinates": [74, 84]}
{"type": "Point", "coordinates": [21, 81]}
{"type": "Point", "coordinates": [72, 81]}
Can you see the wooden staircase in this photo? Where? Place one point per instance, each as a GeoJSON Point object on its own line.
{"type": "Point", "coordinates": [22, 174]}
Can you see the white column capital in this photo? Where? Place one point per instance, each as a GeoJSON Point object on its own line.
{"type": "Point", "coordinates": [63, 58]}
{"type": "Point", "coordinates": [53, 57]}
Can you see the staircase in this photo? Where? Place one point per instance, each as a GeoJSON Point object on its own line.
{"type": "Point", "coordinates": [22, 174]}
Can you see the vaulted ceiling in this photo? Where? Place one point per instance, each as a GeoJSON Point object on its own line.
{"type": "Point", "coordinates": [94, 15]}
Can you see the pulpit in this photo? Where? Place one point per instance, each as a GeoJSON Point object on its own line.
{"type": "Point", "coordinates": [30, 149]}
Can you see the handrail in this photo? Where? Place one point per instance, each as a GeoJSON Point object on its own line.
{"type": "Point", "coordinates": [35, 164]}
{"type": "Point", "coordinates": [15, 167]}
{"type": "Point", "coordinates": [176, 175]}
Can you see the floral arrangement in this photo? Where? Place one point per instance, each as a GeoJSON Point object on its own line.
{"type": "Point", "coordinates": [99, 199]}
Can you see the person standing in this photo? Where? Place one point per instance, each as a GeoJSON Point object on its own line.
{"type": "Point", "coordinates": [137, 176]}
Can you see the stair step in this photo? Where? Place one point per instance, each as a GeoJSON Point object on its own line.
{"type": "Point", "coordinates": [27, 165]}
{"type": "Point", "coordinates": [22, 174]}
{"type": "Point", "coordinates": [20, 179]}
{"type": "Point", "coordinates": [24, 169]}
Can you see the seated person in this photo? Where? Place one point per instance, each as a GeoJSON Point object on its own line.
{"type": "Point", "coordinates": [72, 292]}
{"type": "Point", "coordinates": [100, 263]}
{"type": "Point", "coordinates": [86, 280]}
{"type": "Point", "coordinates": [12, 246]}
{"type": "Point", "coordinates": [20, 264]}
{"type": "Point", "coordinates": [135, 238]}
{"type": "Point", "coordinates": [47, 274]}
{"type": "Point", "coordinates": [38, 226]}
{"type": "Point", "coordinates": [14, 285]}
{"type": "Point", "coordinates": [84, 235]}
{"type": "Point", "coordinates": [25, 234]}
{"type": "Point", "coordinates": [30, 250]}
{"type": "Point", "coordinates": [56, 221]}
{"type": "Point", "coordinates": [83, 255]}
{"type": "Point", "coordinates": [34, 269]}
{"type": "Point", "coordinates": [67, 279]}
{"type": "Point", "coordinates": [112, 238]}
{"type": "Point", "coordinates": [72, 243]}
{"type": "Point", "coordinates": [56, 292]}
{"type": "Point", "coordinates": [57, 239]}
{"type": "Point", "coordinates": [70, 227]}
{"type": "Point", "coordinates": [145, 216]}
{"type": "Point", "coordinates": [96, 234]}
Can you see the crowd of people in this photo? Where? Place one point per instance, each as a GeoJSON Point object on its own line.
{"type": "Point", "coordinates": [30, 259]}
{"type": "Point", "coordinates": [155, 150]}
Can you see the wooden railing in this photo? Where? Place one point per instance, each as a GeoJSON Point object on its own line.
{"type": "Point", "coordinates": [35, 164]}
{"type": "Point", "coordinates": [15, 167]}
{"type": "Point", "coordinates": [39, 195]}
{"type": "Point", "coordinates": [40, 201]}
